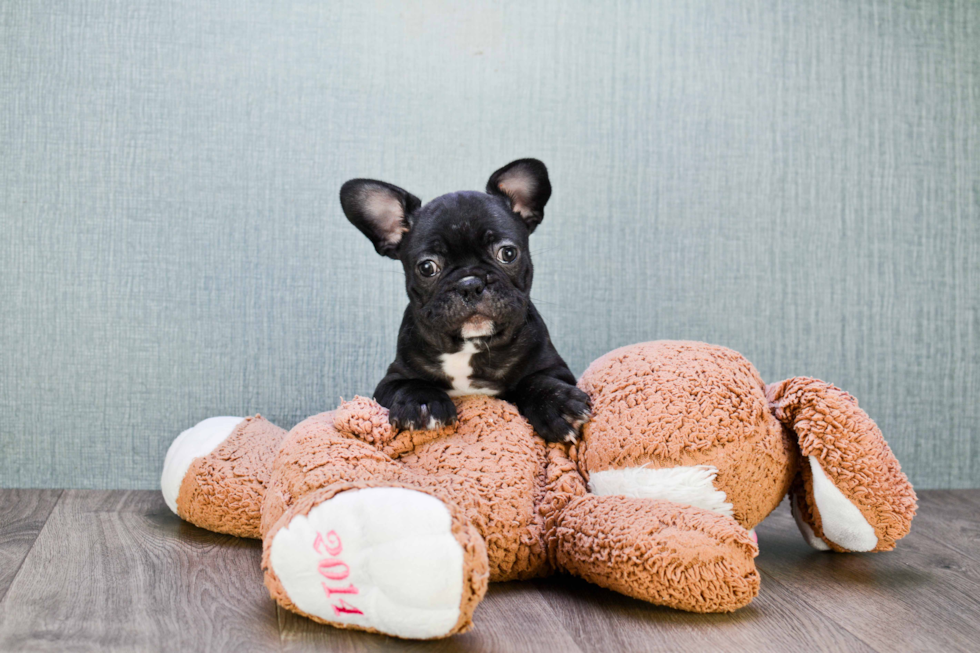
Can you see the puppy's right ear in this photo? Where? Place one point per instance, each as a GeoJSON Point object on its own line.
{"type": "Point", "coordinates": [381, 211]}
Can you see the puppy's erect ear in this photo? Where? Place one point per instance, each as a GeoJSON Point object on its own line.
{"type": "Point", "coordinates": [525, 183]}
{"type": "Point", "coordinates": [381, 211]}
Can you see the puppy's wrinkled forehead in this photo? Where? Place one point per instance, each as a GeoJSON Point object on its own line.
{"type": "Point", "coordinates": [464, 220]}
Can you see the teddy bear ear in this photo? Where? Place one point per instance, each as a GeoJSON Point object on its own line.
{"type": "Point", "coordinates": [364, 419]}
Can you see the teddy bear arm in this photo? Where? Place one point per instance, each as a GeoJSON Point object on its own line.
{"type": "Point", "coordinates": [658, 551]}
{"type": "Point", "coordinates": [367, 421]}
{"type": "Point", "coordinates": [850, 494]}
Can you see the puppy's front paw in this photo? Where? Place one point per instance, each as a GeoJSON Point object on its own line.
{"type": "Point", "coordinates": [421, 408]}
{"type": "Point", "coordinates": [558, 412]}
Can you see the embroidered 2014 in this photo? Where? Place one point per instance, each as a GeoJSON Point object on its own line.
{"type": "Point", "coordinates": [334, 569]}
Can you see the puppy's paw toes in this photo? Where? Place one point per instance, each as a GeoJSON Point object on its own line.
{"type": "Point", "coordinates": [560, 417]}
{"type": "Point", "coordinates": [440, 413]}
{"type": "Point", "coordinates": [562, 431]}
{"type": "Point", "coordinates": [578, 420]}
{"type": "Point", "coordinates": [422, 412]}
{"type": "Point", "coordinates": [577, 409]}
{"type": "Point", "coordinates": [556, 430]}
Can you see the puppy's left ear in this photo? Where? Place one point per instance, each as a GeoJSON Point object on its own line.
{"type": "Point", "coordinates": [380, 210]}
{"type": "Point", "coordinates": [525, 183]}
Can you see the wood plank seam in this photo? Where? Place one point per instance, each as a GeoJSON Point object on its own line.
{"type": "Point", "coordinates": [556, 618]}
{"type": "Point", "coordinates": [802, 599]}
{"type": "Point", "coordinates": [20, 565]}
{"type": "Point", "coordinates": [962, 498]}
{"type": "Point", "coordinates": [279, 624]}
{"type": "Point", "coordinates": [972, 598]}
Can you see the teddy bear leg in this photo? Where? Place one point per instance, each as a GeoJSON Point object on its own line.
{"type": "Point", "coordinates": [216, 472]}
{"type": "Point", "coordinates": [850, 493]}
{"type": "Point", "coordinates": [658, 551]}
{"type": "Point", "coordinates": [388, 558]}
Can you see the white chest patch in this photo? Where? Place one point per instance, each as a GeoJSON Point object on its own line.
{"type": "Point", "coordinates": [692, 486]}
{"type": "Point", "coordinates": [459, 370]}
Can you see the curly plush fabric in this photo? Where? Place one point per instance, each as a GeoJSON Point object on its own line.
{"type": "Point", "coordinates": [667, 404]}
{"type": "Point", "coordinates": [661, 552]}
{"type": "Point", "coordinates": [851, 451]}
{"type": "Point", "coordinates": [224, 491]}
{"type": "Point", "coordinates": [686, 452]}
{"type": "Point", "coordinates": [525, 498]}
{"type": "Point", "coordinates": [489, 464]}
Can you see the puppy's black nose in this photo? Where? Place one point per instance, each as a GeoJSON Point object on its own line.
{"type": "Point", "coordinates": [470, 287]}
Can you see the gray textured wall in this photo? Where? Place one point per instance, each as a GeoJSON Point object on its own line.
{"type": "Point", "coordinates": [797, 180]}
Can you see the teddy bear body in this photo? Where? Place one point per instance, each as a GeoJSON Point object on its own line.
{"type": "Point", "coordinates": [489, 464]}
{"type": "Point", "coordinates": [399, 532]}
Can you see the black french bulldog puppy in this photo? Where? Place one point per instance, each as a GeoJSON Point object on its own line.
{"type": "Point", "coordinates": [470, 326]}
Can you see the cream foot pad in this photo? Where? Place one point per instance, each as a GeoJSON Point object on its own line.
{"type": "Point", "coordinates": [842, 521]}
{"type": "Point", "coordinates": [381, 558]}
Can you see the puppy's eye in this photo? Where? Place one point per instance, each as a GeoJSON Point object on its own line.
{"type": "Point", "coordinates": [428, 268]}
{"type": "Point", "coordinates": [507, 254]}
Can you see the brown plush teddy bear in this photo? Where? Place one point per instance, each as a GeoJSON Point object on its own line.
{"type": "Point", "coordinates": [367, 528]}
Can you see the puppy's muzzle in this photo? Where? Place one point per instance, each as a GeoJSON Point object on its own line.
{"type": "Point", "coordinates": [471, 288]}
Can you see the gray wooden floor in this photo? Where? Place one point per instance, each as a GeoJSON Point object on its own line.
{"type": "Point", "coordinates": [100, 571]}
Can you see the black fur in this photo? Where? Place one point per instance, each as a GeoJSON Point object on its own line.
{"type": "Point", "coordinates": [465, 235]}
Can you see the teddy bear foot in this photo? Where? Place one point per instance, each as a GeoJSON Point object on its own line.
{"type": "Point", "coordinates": [850, 494]}
{"type": "Point", "coordinates": [381, 559]}
{"type": "Point", "coordinates": [216, 472]}
{"type": "Point", "coordinates": [196, 442]}
{"type": "Point", "coordinates": [841, 521]}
